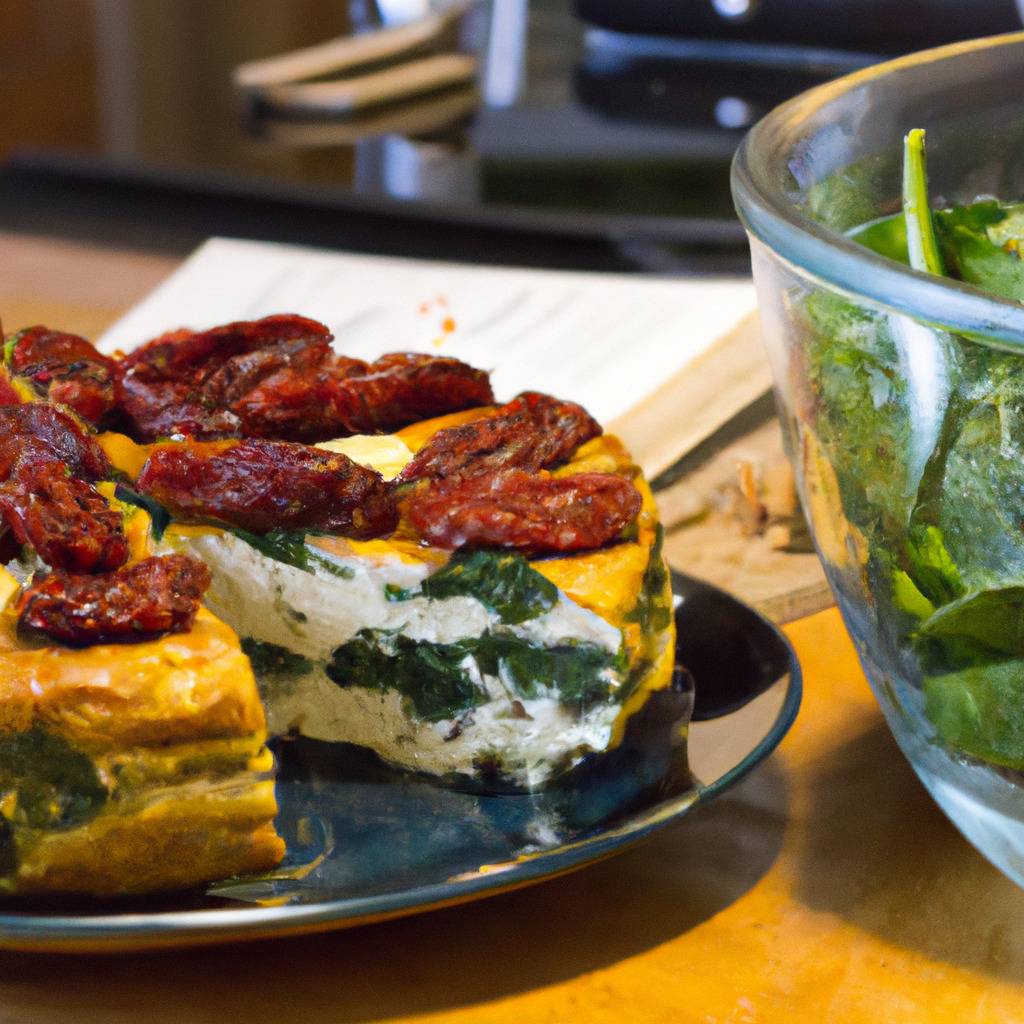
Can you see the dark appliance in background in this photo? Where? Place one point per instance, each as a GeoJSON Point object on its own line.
{"type": "Point", "coordinates": [874, 26]}
{"type": "Point", "coordinates": [599, 133]}
{"type": "Point", "coordinates": [717, 94]}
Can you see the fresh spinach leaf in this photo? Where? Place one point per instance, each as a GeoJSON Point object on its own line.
{"type": "Point", "coordinates": [966, 234]}
{"type": "Point", "coordinates": [992, 618]}
{"type": "Point", "coordinates": [908, 598]}
{"type": "Point", "coordinates": [979, 243]}
{"type": "Point", "coordinates": [922, 247]}
{"type": "Point", "coordinates": [932, 567]}
{"type": "Point", "coordinates": [864, 421]}
{"type": "Point", "coordinates": [979, 710]}
{"type": "Point", "coordinates": [887, 236]}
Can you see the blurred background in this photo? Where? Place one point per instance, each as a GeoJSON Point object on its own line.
{"type": "Point", "coordinates": [587, 134]}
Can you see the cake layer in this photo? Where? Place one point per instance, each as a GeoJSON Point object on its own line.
{"type": "Point", "coordinates": [181, 687]}
{"type": "Point", "coordinates": [180, 838]}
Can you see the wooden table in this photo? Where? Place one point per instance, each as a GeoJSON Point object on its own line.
{"type": "Point", "coordinates": [825, 887]}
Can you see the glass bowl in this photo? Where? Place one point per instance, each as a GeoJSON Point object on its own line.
{"type": "Point", "coordinates": [902, 401]}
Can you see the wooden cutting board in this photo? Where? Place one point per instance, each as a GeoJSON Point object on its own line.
{"type": "Point", "coordinates": [706, 537]}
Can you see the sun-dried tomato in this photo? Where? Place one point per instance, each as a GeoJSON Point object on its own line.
{"type": "Point", "coordinates": [404, 387]}
{"type": "Point", "coordinates": [66, 369]}
{"type": "Point", "coordinates": [236, 377]}
{"type": "Point", "coordinates": [516, 509]}
{"type": "Point", "coordinates": [62, 517]}
{"type": "Point", "coordinates": [186, 355]}
{"type": "Point", "coordinates": [46, 459]}
{"type": "Point", "coordinates": [158, 408]}
{"type": "Point", "coordinates": [163, 386]}
{"type": "Point", "coordinates": [279, 378]}
{"type": "Point", "coordinates": [137, 602]}
{"type": "Point", "coordinates": [266, 485]}
{"type": "Point", "coordinates": [532, 432]}
{"type": "Point", "coordinates": [44, 432]}
{"type": "Point", "coordinates": [306, 400]}
{"type": "Point", "coordinates": [288, 393]}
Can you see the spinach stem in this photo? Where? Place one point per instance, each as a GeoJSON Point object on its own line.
{"type": "Point", "coordinates": [922, 247]}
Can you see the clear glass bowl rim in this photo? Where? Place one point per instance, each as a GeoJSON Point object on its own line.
{"type": "Point", "coordinates": [771, 216]}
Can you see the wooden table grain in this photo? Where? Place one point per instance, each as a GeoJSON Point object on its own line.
{"type": "Point", "coordinates": [825, 887]}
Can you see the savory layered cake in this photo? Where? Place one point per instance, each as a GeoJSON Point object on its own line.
{"type": "Point", "coordinates": [472, 590]}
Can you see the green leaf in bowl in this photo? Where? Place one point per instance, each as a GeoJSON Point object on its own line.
{"type": "Point", "coordinates": [992, 618]}
{"type": "Point", "coordinates": [980, 711]}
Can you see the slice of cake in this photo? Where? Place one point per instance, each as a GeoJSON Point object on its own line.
{"type": "Point", "coordinates": [131, 768]}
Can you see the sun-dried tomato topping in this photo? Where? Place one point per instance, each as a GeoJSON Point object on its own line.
{"type": "Point", "coordinates": [10, 547]}
{"type": "Point", "coordinates": [137, 602]}
{"type": "Point", "coordinates": [45, 432]}
{"type": "Point", "coordinates": [305, 399]}
{"type": "Point", "coordinates": [403, 387]}
{"type": "Point", "coordinates": [297, 405]}
{"type": "Point", "coordinates": [65, 369]}
{"type": "Point", "coordinates": [163, 386]}
{"type": "Point", "coordinates": [286, 392]}
{"type": "Point", "coordinates": [161, 408]}
{"type": "Point", "coordinates": [266, 485]}
{"type": "Point", "coordinates": [46, 459]}
{"type": "Point", "coordinates": [236, 377]}
{"type": "Point", "coordinates": [516, 509]}
{"type": "Point", "coordinates": [279, 378]}
{"type": "Point", "coordinates": [184, 355]}
{"type": "Point", "coordinates": [63, 518]}
{"type": "Point", "coordinates": [532, 432]}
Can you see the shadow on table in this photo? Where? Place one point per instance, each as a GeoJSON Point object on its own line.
{"type": "Point", "coordinates": [910, 878]}
{"type": "Point", "coordinates": [449, 958]}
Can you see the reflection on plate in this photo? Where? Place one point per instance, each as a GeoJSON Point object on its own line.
{"type": "Point", "coordinates": [366, 843]}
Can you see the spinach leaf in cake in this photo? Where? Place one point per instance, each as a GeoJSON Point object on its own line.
{"type": "Point", "coordinates": [653, 610]}
{"type": "Point", "coordinates": [437, 680]}
{"type": "Point", "coordinates": [503, 582]}
{"type": "Point", "coordinates": [159, 517]}
{"type": "Point", "coordinates": [431, 677]}
{"type": "Point", "coordinates": [289, 547]}
{"type": "Point", "coordinates": [55, 785]}
{"type": "Point", "coordinates": [578, 673]}
{"type": "Point", "coordinates": [272, 661]}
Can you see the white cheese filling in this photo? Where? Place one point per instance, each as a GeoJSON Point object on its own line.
{"type": "Point", "coordinates": [313, 613]}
